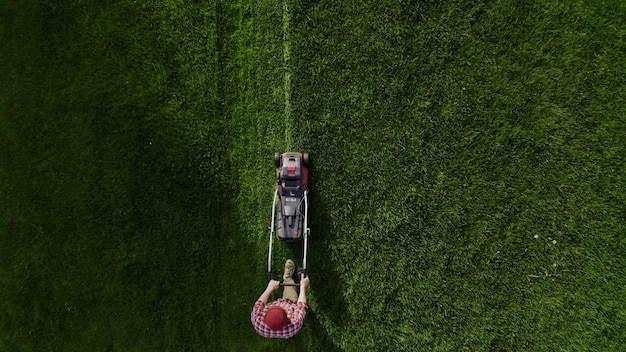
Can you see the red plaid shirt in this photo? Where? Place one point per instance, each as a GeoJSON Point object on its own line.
{"type": "Point", "coordinates": [295, 312]}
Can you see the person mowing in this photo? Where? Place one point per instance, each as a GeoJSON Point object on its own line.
{"type": "Point", "coordinates": [283, 317]}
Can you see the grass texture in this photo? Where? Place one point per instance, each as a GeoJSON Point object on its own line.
{"type": "Point", "coordinates": [468, 157]}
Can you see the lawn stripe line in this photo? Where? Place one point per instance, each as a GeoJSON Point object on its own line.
{"type": "Point", "coordinates": [287, 76]}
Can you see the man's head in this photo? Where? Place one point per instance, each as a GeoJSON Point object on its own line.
{"type": "Point", "coordinates": [276, 318]}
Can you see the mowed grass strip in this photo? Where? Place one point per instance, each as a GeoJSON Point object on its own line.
{"type": "Point", "coordinates": [467, 173]}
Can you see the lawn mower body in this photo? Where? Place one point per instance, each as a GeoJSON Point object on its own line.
{"type": "Point", "coordinates": [292, 180]}
{"type": "Point", "coordinates": [290, 207]}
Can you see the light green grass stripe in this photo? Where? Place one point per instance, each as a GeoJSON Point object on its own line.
{"type": "Point", "coordinates": [287, 77]}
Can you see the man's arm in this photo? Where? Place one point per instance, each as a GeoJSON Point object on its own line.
{"type": "Point", "coordinates": [304, 282]}
{"type": "Point", "coordinates": [271, 286]}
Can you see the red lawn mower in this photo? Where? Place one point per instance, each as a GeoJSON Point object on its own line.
{"type": "Point", "coordinates": [290, 213]}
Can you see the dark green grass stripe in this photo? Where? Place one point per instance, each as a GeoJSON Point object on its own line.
{"type": "Point", "coordinates": [115, 164]}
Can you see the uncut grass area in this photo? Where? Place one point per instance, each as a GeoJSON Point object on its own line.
{"type": "Point", "coordinates": [467, 178]}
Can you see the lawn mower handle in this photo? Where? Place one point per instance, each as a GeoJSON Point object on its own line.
{"type": "Point", "coordinates": [282, 284]}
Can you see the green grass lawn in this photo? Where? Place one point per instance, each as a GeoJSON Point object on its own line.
{"type": "Point", "coordinates": [468, 163]}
